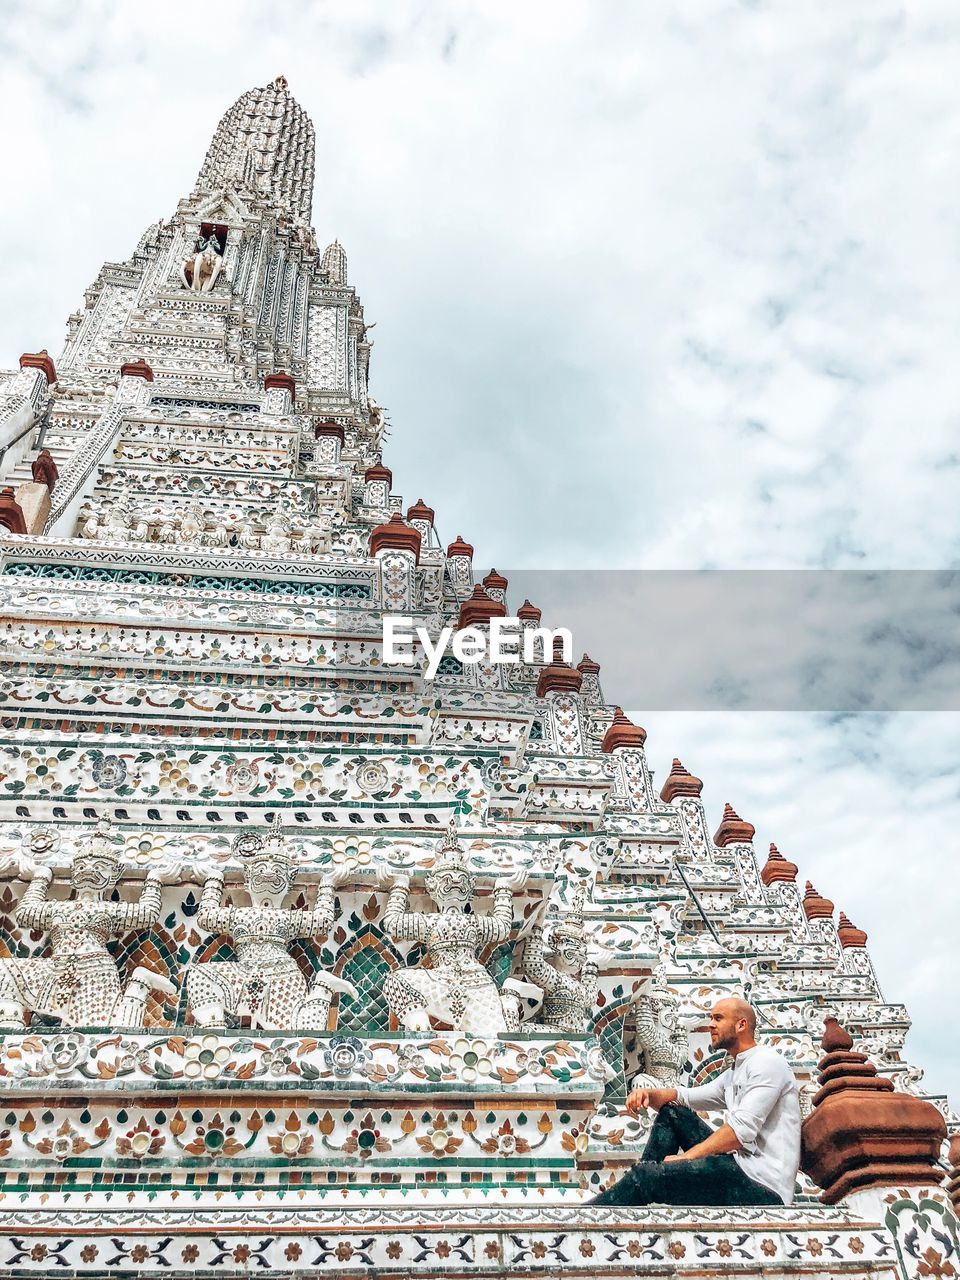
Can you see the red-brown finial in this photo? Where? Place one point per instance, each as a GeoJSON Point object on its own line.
{"type": "Point", "coordinates": [138, 369]}
{"type": "Point", "coordinates": [587, 667]}
{"type": "Point", "coordinates": [529, 612]}
{"type": "Point", "coordinates": [777, 869]}
{"type": "Point", "coordinates": [496, 581]}
{"type": "Point", "coordinates": [40, 360]}
{"type": "Point", "coordinates": [559, 676]}
{"type": "Point", "coordinates": [396, 535]}
{"type": "Point", "coordinates": [849, 934]}
{"type": "Point", "coordinates": [329, 428]}
{"type": "Point", "coordinates": [379, 472]}
{"type": "Point", "coordinates": [622, 732]}
{"type": "Point", "coordinates": [479, 609]}
{"type": "Point", "coordinates": [835, 1037]}
{"type": "Point", "coordinates": [11, 513]}
{"type": "Point", "coordinates": [815, 907]}
{"type": "Point", "coordinates": [679, 782]}
{"type": "Point", "coordinates": [733, 829]}
{"type": "Point", "coordinates": [281, 381]}
{"type": "Point", "coordinates": [420, 511]}
{"type": "Point", "coordinates": [861, 1132]}
{"type": "Point", "coordinates": [460, 548]}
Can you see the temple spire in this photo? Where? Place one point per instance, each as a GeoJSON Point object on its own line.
{"type": "Point", "coordinates": [265, 143]}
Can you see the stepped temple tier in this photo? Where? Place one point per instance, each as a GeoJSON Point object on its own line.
{"type": "Point", "coordinates": [308, 961]}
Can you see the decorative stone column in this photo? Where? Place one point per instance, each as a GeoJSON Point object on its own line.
{"type": "Point", "coordinates": [396, 548]}
{"type": "Point", "coordinates": [779, 878]}
{"type": "Point", "coordinates": [377, 481]}
{"type": "Point", "coordinates": [735, 835]}
{"type": "Point", "coordinates": [329, 437]}
{"type": "Point", "coordinates": [421, 517]}
{"type": "Point", "coordinates": [477, 611]}
{"type": "Point", "coordinates": [682, 789]}
{"type": "Point", "coordinates": [460, 565]}
{"type": "Point", "coordinates": [280, 393]}
{"type": "Point", "coordinates": [495, 585]}
{"type": "Point", "coordinates": [632, 788]}
{"type": "Point", "coordinates": [590, 689]}
{"type": "Point", "coordinates": [530, 616]}
{"type": "Point", "coordinates": [559, 684]}
{"type": "Point", "coordinates": [819, 913]}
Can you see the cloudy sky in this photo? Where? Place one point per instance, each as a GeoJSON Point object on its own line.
{"type": "Point", "coordinates": [656, 286]}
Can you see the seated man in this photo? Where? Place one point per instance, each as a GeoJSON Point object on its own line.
{"type": "Point", "coordinates": [751, 1159]}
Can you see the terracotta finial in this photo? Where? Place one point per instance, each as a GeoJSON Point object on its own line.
{"type": "Point", "coordinates": [849, 934]}
{"type": "Point", "coordinates": [11, 513]}
{"type": "Point", "coordinates": [40, 360]}
{"type": "Point", "coordinates": [460, 548]}
{"type": "Point", "coordinates": [329, 428]}
{"type": "Point", "coordinates": [814, 906]}
{"type": "Point", "coordinates": [281, 381]}
{"type": "Point", "coordinates": [479, 609]}
{"type": "Point", "coordinates": [395, 535]}
{"type": "Point", "coordinates": [679, 782]}
{"type": "Point", "coordinates": [777, 869]}
{"type": "Point", "coordinates": [861, 1132]}
{"type": "Point", "coordinates": [835, 1037]}
{"type": "Point", "coordinates": [137, 369]}
{"type": "Point", "coordinates": [495, 580]}
{"type": "Point", "coordinates": [622, 732]}
{"type": "Point", "coordinates": [733, 829]}
{"type": "Point", "coordinates": [420, 511]}
{"type": "Point", "coordinates": [559, 676]}
{"type": "Point", "coordinates": [379, 472]}
{"type": "Point", "coordinates": [529, 612]}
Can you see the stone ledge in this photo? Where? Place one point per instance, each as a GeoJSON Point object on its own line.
{"type": "Point", "coordinates": [498, 1241]}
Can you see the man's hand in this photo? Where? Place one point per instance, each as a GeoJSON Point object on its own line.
{"type": "Point", "coordinates": [641, 1099]}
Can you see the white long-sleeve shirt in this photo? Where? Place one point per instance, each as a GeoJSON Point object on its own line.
{"type": "Point", "coordinates": [760, 1097]}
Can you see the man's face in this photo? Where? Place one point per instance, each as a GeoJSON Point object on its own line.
{"type": "Point", "coordinates": [725, 1026]}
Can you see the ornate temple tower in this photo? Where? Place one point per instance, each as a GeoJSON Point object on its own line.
{"type": "Point", "coordinates": [306, 958]}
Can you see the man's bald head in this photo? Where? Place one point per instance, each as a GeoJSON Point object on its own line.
{"type": "Point", "coordinates": [733, 1025]}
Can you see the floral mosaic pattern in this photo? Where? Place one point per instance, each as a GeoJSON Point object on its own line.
{"type": "Point", "coordinates": [443, 1064]}
{"type": "Point", "coordinates": [492, 1241]}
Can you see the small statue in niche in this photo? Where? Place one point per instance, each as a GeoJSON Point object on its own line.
{"type": "Point", "coordinates": [192, 525]}
{"type": "Point", "coordinates": [117, 522]}
{"type": "Point", "coordinates": [88, 522]}
{"type": "Point", "coordinates": [661, 1036]}
{"type": "Point", "coordinates": [264, 982]}
{"type": "Point", "coordinates": [555, 959]}
{"type": "Point", "coordinates": [247, 537]}
{"type": "Point", "coordinates": [79, 983]}
{"type": "Point", "coordinates": [276, 538]}
{"type": "Point", "coordinates": [457, 991]}
{"type": "Point", "coordinates": [202, 269]}
{"type": "Point", "coordinates": [216, 537]}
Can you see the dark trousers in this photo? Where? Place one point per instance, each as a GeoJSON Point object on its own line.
{"type": "Point", "coordinates": [706, 1180]}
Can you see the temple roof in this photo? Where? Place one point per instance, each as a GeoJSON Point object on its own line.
{"type": "Point", "coordinates": [265, 141]}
